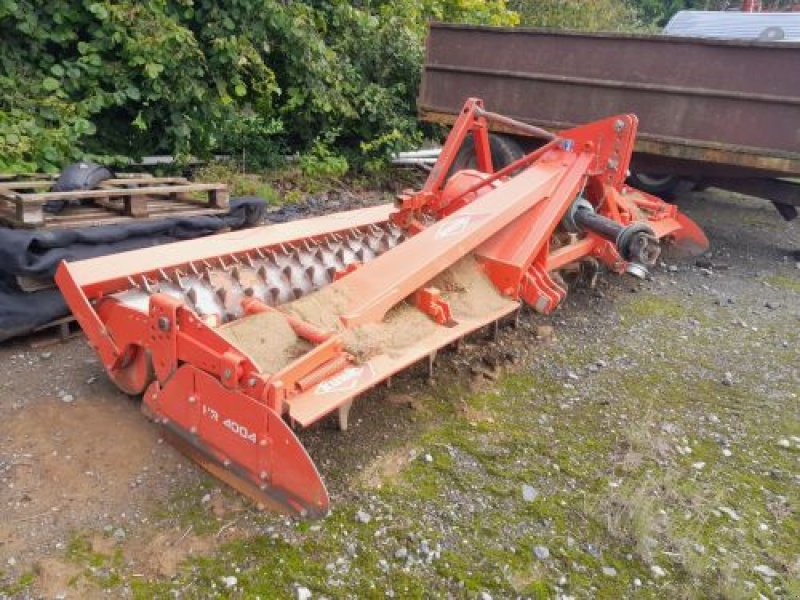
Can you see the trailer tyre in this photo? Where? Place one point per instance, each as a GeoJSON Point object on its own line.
{"type": "Point", "coordinates": [504, 150]}
{"type": "Point", "coordinates": [658, 185]}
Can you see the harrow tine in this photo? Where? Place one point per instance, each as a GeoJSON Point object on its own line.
{"type": "Point", "coordinates": [431, 363]}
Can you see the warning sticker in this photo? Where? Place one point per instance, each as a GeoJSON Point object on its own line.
{"type": "Point", "coordinates": [344, 381]}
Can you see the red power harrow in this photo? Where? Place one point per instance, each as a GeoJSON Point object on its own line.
{"type": "Point", "coordinates": [233, 338]}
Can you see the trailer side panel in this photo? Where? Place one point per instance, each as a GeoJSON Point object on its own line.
{"type": "Point", "coordinates": [733, 103]}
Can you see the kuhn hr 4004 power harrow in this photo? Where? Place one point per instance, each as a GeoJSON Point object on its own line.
{"type": "Point", "coordinates": [232, 339]}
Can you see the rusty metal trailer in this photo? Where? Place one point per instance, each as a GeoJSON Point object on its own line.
{"type": "Point", "coordinates": [715, 112]}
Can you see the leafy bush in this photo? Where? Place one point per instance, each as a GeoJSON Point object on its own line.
{"type": "Point", "coordinates": [334, 80]}
{"type": "Point", "coordinates": [188, 77]}
{"type": "Point", "coordinates": [322, 162]}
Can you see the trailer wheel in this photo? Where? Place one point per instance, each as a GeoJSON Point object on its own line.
{"type": "Point", "coordinates": [658, 185]}
{"type": "Point", "coordinates": [504, 149]}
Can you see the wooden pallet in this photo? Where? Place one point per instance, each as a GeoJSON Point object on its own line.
{"type": "Point", "coordinates": [115, 200]}
{"type": "Point", "coordinates": [54, 332]}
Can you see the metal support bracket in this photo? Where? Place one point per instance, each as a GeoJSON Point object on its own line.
{"type": "Point", "coordinates": [429, 300]}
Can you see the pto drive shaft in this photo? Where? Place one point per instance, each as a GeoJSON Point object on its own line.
{"type": "Point", "coordinates": [636, 242]}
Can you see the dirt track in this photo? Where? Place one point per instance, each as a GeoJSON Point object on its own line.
{"type": "Point", "coordinates": [78, 462]}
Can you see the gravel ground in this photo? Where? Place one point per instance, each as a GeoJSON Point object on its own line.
{"type": "Point", "coordinates": [643, 441]}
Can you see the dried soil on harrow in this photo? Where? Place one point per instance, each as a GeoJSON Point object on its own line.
{"type": "Point", "coordinates": [93, 472]}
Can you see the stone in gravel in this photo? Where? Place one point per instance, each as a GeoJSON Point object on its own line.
{"type": "Point", "coordinates": [544, 332]}
{"type": "Point", "coordinates": [572, 375]}
{"type": "Point", "coordinates": [428, 458]}
{"type": "Point", "coordinates": [727, 378]}
{"type": "Point", "coordinates": [699, 466]}
{"type": "Point", "coordinates": [400, 400]}
{"type": "Point", "coordinates": [732, 514]}
{"type": "Point", "coordinates": [765, 571]}
{"type": "Point", "coordinates": [529, 493]}
{"type": "Point", "coordinates": [46, 355]}
{"type": "Point", "coordinates": [704, 263]}
{"type": "Point", "coordinates": [772, 305]}
{"type": "Point", "coordinates": [363, 517]}
{"type": "Point", "coordinates": [784, 443]}
{"type": "Point", "coordinates": [726, 452]}
{"type": "Point", "coordinates": [699, 548]}
{"type": "Point", "coordinates": [485, 596]}
{"type": "Point", "coordinates": [67, 398]}
{"type": "Point", "coordinates": [401, 553]}
{"type": "Point", "coordinates": [229, 581]}
{"type": "Point", "coordinates": [541, 552]}
{"type": "Point", "coordinates": [592, 549]}
{"type": "Point", "coordinates": [11, 561]}
{"type": "Point", "coordinates": [303, 593]}
{"type": "Point", "coordinates": [637, 582]}
{"type": "Point", "coordinates": [609, 571]}
{"type": "Point", "coordinates": [658, 571]}
{"type": "Point", "coordinates": [119, 534]}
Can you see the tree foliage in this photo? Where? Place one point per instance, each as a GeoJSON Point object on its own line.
{"type": "Point", "coordinates": [616, 15]}
{"type": "Point", "coordinates": [254, 77]}
{"type": "Point", "coordinates": [127, 77]}
{"type": "Point", "coordinates": [592, 15]}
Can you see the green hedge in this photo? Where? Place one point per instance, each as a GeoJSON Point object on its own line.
{"type": "Point", "coordinates": [187, 77]}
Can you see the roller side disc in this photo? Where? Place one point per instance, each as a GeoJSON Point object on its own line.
{"type": "Point", "coordinates": [135, 372]}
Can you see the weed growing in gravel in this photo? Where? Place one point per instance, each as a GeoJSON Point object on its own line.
{"type": "Point", "coordinates": [18, 586]}
{"type": "Point", "coordinates": [782, 281]}
{"type": "Point", "coordinates": [100, 568]}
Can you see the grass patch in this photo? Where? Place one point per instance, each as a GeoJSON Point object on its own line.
{"type": "Point", "coordinates": [16, 587]}
{"type": "Point", "coordinates": [239, 183]}
{"type": "Point", "coordinates": [784, 282]}
{"type": "Point", "coordinates": [103, 569]}
{"type": "Point", "coordinates": [647, 306]}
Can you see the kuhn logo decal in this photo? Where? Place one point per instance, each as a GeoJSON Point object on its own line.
{"type": "Point", "coordinates": [345, 381]}
{"type": "Point", "coordinates": [456, 226]}
{"type": "Point", "coordinates": [453, 227]}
